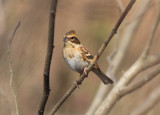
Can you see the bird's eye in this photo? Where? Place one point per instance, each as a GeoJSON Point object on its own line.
{"type": "Point", "coordinates": [72, 37]}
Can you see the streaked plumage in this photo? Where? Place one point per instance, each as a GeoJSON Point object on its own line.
{"type": "Point", "coordinates": [78, 57]}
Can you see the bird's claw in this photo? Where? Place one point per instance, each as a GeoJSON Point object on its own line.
{"type": "Point", "coordinates": [77, 83]}
{"type": "Point", "coordinates": [85, 71]}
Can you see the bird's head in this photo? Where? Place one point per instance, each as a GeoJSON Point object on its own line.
{"type": "Point", "coordinates": [71, 37]}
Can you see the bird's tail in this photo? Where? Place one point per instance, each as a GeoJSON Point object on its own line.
{"type": "Point", "coordinates": [102, 76]}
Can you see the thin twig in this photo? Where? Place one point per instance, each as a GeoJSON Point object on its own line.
{"type": "Point", "coordinates": [10, 68]}
{"type": "Point", "coordinates": [139, 83]}
{"type": "Point", "coordinates": [129, 33]}
{"type": "Point", "coordinates": [100, 51]}
{"type": "Point", "coordinates": [120, 5]}
{"type": "Point", "coordinates": [155, 96]}
{"type": "Point", "coordinates": [153, 30]}
{"type": "Point", "coordinates": [150, 102]}
{"type": "Point", "coordinates": [110, 58]}
{"type": "Point", "coordinates": [46, 86]}
{"type": "Point", "coordinates": [100, 95]}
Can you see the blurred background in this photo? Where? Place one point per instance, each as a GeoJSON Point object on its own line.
{"type": "Point", "coordinates": [93, 20]}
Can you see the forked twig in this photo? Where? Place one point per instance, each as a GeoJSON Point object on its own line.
{"type": "Point", "coordinates": [139, 83]}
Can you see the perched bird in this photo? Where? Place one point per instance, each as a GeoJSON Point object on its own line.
{"type": "Point", "coordinates": [78, 57]}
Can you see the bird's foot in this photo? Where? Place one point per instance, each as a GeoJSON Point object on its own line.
{"type": "Point", "coordinates": [85, 72]}
{"type": "Point", "coordinates": [77, 83]}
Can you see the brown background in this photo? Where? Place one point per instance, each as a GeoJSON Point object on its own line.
{"type": "Point", "coordinates": [93, 20]}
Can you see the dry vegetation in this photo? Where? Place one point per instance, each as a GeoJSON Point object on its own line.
{"type": "Point", "coordinates": [93, 20]}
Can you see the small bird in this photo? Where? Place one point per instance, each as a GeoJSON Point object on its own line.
{"type": "Point", "coordinates": [79, 58]}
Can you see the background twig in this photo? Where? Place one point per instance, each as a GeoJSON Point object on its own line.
{"type": "Point", "coordinates": [100, 51]}
{"type": "Point", "coordinates": [10, 67]}
{"type": "Point", "coordinates": [149, 103]}
{"type": "Point", "coordinates": [46, 87]}
{"type": "Point", "coordinates": [153, 30]}
{"type": "Point", "coordinates": [130, 31]}
{"type": "Point", "coordinates": [139, 83]}
{"type": "Point", "coordinates": [120, 5]}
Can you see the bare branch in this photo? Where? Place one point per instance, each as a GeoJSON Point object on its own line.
{"type": "Point", "coordinates": [10, 67]}
{"type": "Point", "coordinates": [130, 31]}
{"type": "Point", "coordinates": [153, 99]}
{"type": "Point", "coordinates": [120, 5]}
{"type": "Point", "coordinates": [110, 57]}
{"type": "Point", "coordinates": [149, 103]}
{"type": "Point", "coordinates": [113, 32]}
{"type": "Point", "coordinates": [103, 89]}
{"type": "Point", "coordinates": [140, 65]}
{"type": "Point", "coordinates": [46, 87]}
{"type": "Point", "coordinates": [139, 83]}
{"type": "Point", "coordinates": [153, 30]}
{"type": "Point", "coordinates": [119, 53]}
{"type": "Point", "coordinates": [100, 94]}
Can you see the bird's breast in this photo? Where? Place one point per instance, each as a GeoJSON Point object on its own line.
{"type": "Point", "coordinates": [74, 59]}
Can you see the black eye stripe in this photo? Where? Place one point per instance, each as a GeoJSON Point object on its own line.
{"type": "Point", "coordinates": [73, 37]}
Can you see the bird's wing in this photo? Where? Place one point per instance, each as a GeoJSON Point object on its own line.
{"type": "Point", "coordinates": [86, 54]}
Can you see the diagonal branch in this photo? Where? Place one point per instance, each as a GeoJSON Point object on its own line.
{"type": "Point", "coordinates": [120, 5]}
{"type": "Point", "coordinates": [140, 65]}
{"type": "Point", "coordinates": [153, 30]}
{"type": "Point", "coordinates": [117, 55]}
{"type": "Point", "coordinates": [46, 87]}
{"type": "Point", "coordinates": [140, 83]}
{"type": "Point", "coordinates": [10, 67]}
{"type": "Point", "coordinates": [100, 51]}
{"type": "Point", "coordinates": [129, 33]}
{"type": "Point", "coordinates": [110, 58]}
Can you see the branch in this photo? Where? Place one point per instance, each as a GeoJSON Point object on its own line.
{"type": "Point", "coordinates": [153, 30]}
{"type": "Point", "coordinates": [140, 83]}
{"type": "Point", "coordinates": [120, 5]}
{"type": "Point", "coordinates": [155, 96]}
{"type": "Point", "coordinates": [103, 89]}
{"type": "Point", "coordinates": [149, 103]}
{"type": "Point", "coordinates": [129, 33]}
{"type": "Point", "coordinates": [46, 87]}
{"type": "Point", "coordinates": [10, 67]}
{"type": "Point", "coordinates": [100, 95]}
{"type": "Point", "coordinates": [110, 58]}
{"type": "Point", "coordinates": [119, 53]}
{"type": "Point", "coordinates": [100, 51]}
{"type": "Point", "coordinates": [141, 64]}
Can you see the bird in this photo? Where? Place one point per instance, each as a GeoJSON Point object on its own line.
{"type": "Point", "coordinates": [78, 57]}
